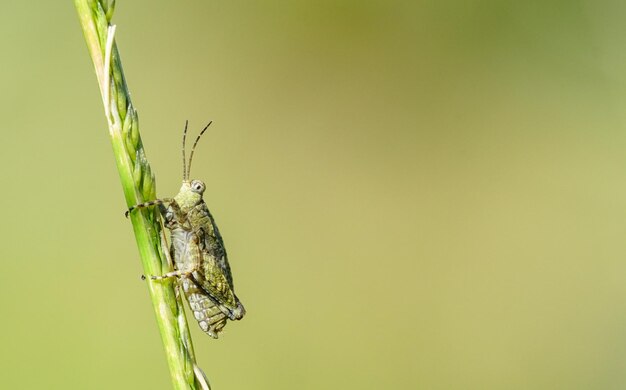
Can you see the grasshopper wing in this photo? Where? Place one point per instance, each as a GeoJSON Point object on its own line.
{"type": "Point", "coordinates": [213, 273]}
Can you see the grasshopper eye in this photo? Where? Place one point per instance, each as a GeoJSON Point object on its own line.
{"type": "Point", "coordinates": [197, 186]}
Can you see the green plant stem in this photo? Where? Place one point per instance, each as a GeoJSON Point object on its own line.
{"type": "Point", "coordinates": [138, 184]}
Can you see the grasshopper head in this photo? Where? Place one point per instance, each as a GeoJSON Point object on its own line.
{"type": "Point", "coordinates": [190, 194]}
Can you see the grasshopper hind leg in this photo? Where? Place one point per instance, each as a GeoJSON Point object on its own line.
{"type": "Point", "coordinates": [173, 274]}
{"type": "Point", "coordinates": [206, 312]}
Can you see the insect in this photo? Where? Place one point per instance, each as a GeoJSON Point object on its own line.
{"type": "Point", "coordinates": [200, 261]}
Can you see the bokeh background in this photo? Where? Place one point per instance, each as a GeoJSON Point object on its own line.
{"type": "Point", "coordinates": [413, 194]}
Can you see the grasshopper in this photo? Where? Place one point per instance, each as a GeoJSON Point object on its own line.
{"type": "Point", "coordinates": [200, 261]}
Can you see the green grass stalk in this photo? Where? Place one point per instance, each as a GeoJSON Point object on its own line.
{"type": "Point", "coordinates": [138, 184]}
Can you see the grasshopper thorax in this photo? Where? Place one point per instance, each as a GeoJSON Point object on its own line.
{"type": "Point", "coordinates": [190, 194]}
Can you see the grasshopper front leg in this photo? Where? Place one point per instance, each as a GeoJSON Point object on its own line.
{"type": "Point", "coordinates": [156, 202]}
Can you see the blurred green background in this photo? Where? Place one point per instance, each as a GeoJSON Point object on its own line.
{"type": "Point", "coordinates": [413, 194]}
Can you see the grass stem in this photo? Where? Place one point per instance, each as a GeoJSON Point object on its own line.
{"type": "Point", "coordinates": [138, 184]}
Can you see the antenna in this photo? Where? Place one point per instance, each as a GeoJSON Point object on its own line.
{"type": "Point", "coordinates": [193, 148]}
{"type": "Point", "coordinates": [184, 159]}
